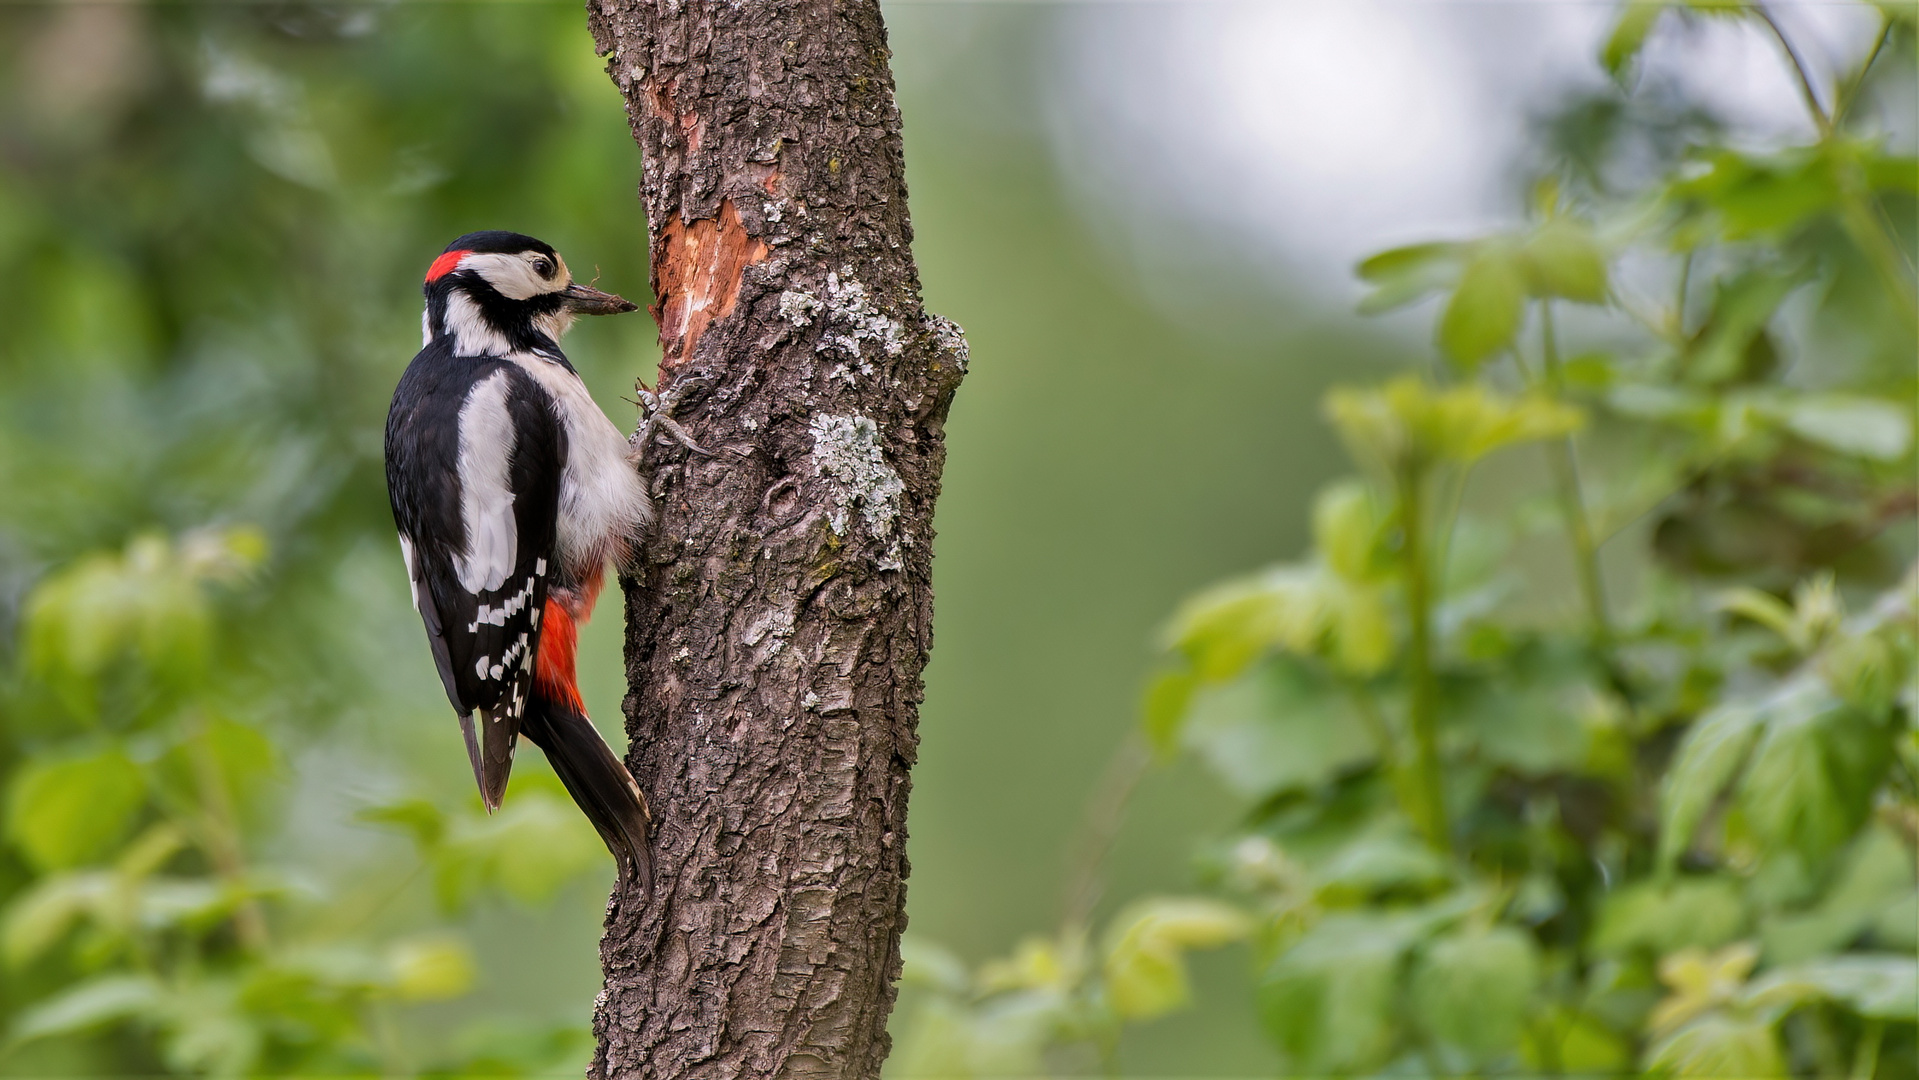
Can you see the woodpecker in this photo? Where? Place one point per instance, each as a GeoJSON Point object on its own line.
{"type": "Point", "coordinates": [512, 491]}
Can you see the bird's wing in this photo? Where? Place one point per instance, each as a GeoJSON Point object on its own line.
{"type": "Point", "coordinates": [474, 455]}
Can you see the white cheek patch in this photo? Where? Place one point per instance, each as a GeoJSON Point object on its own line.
{"type": "Point", "coordinates": [512, 276]}
{"type": "Point", "coordinates": [486, 497]}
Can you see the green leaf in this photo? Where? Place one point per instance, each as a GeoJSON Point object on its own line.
{"type": "Point", "coordinates": [1763, 198]}
{"type": "Point", "coordinates": [1812, 777]}
{"type": "Point", "coordinates": [1883, 986]}
{"type": "Point", "coordinates": [206, 1033]}
{"type": "Point", "coordinates": [1144, 966]}
{"type": "Point", "coordinates": [1346, 527]}
{"type": "Point", "coordinates": [1533, 717]}
{"type": "Point", "coordinates": [1890, 172]}
{"type": "Point", "coordinates": [1636, 20]}
{"type": "Point", "coordinates": [418, 817]}
{"type": "Point", "coordinates": [237, 756]}
{"type": "Point", "coordinates": [1413, 258]}
{"type": "Point", "coordinates": [88, 1005]}
{"type": "Point", "coordinates": [1761, 607]}
{"type": "Point", "coordinates": [197, 903]}
{"type": "Point", "coordinates": [1406, 274]}
{"type": "Point", "coordinates": [1866, 671]}
{"type": "Point", "coordinates": [1329, 1000]}
{"type": "Point", "coordinates": [1665, 918]}
{"type": "Point", "coordinates": [1277, 728]}
{"type": "Point", "coordinates": [1563, 258]}
{"type": "Point", "coordinates": [528, 849]}
{"type": "Point", "coordinates": [1860, 426]}
{"type": "Point", "coordinates": [1700, 982]}
{"type": "Point", "coordinates": [1484, 313]}
{"type": "Point", "coordinates": [1711, 752]}
{"type": "Point", "coordinates": [1717, 1046]}
{"type": "Point", "coordinates": [1167, 699]}
{"type": "Point", "coordinates": [1385, 858]}
{"type": "Point", "coordinates": [67, 812]}
{"type": "Point", "coordinates": [1406, 426]}
{"type": "Point", "coordinates": [1362, 631]}
{"type": "Point", "coordinates": [1579, 1046]}
{"type": "Point", "coordinates": [432, 968]}
{"type": "Point", "coordinates": [1877, 879]}
{"type": "Point", "coordinates": [1473, 990]}
{"type": "Point", "coordinates": [1731, 344]}
{"type": "Point", "coordinates": [1228, 626]}
{"type": "Point", "coordinates": [41, 916]}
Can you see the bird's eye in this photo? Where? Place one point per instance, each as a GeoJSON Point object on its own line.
{"type": "Point", "coordinates": [543, 267]}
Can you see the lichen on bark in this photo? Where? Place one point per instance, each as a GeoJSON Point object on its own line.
{"type": "Point", "coordinates": [780, 617]}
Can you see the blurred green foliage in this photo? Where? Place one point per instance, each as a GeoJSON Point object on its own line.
{"type": "Point", "coordinates": [1679, 836]}
{"type": "Point", "coordinates": [224, 853]}
{"type": "Point", "coordinates": [1653, 808]}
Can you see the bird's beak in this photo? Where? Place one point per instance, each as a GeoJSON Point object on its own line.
{"type": "Point", "coordinates": [587, 300]}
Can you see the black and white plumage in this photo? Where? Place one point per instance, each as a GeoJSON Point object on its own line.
{"type": "Point", "coordinates": [511, 491]}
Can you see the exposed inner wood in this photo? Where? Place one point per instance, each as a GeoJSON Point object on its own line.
{"type": "Point", "coordinates": [696, 271]}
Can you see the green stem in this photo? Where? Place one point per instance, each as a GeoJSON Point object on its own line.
{"type": "Point", "coordinates": [1424, 707]}
{"type": "Point", "coordinates": [1572, 500]}
{"type": "Point", "coordinates": [1850, 93]}
{"type": "Point", "coordinates": [1679, 300]}
{"type": "Point", "coordinates": [1866, 1062]}
{"type": "Point", "coordinates": [1799, 68]}
{"type": "Point", "coordinates": [1869, 229]}
{"type": "Point", "coordinates": [221, 836]}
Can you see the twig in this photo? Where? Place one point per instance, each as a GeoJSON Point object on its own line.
{"type": "Point", "coordinates": [1105, 810]}
{"type": "Point", "coordinates": [1799, 68]}
{"type": "Point", "coordinates": [1850, 93]}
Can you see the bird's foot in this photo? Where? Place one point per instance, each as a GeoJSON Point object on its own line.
{"type": "Point", "coordinates": [656, 408]}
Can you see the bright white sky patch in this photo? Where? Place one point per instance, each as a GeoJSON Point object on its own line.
{"type": "Point", "coordinates": [1308, 134]}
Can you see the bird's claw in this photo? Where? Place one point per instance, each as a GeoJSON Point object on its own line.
{"type": "Point", "coordinates": [657, 407]}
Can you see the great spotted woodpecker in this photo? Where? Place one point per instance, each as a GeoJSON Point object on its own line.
{"type": "Point", "coordinates": [512, 491]}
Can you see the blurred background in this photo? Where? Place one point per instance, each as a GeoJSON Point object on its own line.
{"type": "Point", "coordinates": [213, 221]}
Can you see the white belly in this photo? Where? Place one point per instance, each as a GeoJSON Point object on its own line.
{"type": "Point", "coordinates": [603, 501]}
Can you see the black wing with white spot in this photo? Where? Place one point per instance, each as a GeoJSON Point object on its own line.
{"type": "Point", "coordinates": [474, 454]}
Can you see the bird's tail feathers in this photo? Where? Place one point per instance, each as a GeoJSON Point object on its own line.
{"type": "Point", "coordinates": [490, 749]}
{"type": "Point", "coordinates": [598, 781]}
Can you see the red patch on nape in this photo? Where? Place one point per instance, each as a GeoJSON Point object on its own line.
{"type": "Point", "coordinates": [445, 264]}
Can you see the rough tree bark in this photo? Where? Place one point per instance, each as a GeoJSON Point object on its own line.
{"type": "Point", "coordinates": [778, 624]}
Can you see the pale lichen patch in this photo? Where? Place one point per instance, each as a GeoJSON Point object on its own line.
{"type": "Point", "coordinates": [949, 337]}
{"type": "Point", "coordinates": [852, 312]}
{"type": "Point", "coordinates": [798, 307]}
{"type": "Point", "coordinates": [847, 454]}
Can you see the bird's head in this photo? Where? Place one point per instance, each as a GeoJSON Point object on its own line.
{"type": "Point", "coordinates": [497, 292]}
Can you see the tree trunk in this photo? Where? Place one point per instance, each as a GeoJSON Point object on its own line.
{"type": "Point", "coordinates": [782, 613]}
